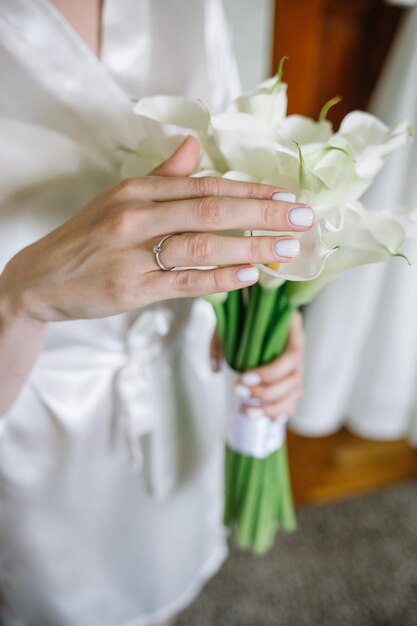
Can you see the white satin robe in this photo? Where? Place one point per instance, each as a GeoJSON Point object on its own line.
{"type": "Point", "coordinates": [111, 457]}
{"type": "Point", "coordinates": [361, 331]}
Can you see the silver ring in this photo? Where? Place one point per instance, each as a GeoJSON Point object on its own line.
{"type": "Point", "coordinates": [157, 251]}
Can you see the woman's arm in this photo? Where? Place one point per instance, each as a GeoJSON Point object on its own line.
{"type": "Point", "coordinates": [21, 340]}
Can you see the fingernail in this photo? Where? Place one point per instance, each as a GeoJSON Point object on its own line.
{"type": "Point", "coordinates": [283, 196]}
{"type": "Point", "coordinates": [255, 413]}
{"type": "Point", "coordinates": [251, 378]}
{"type": "Point", "coordinates": [252, 401]}
{"type": "Point", "coordinates": [281, 418]}
{"type": "Point", "coordinates": [247, 274]}
{"type": "Point", "coordinates": [287, 247]}
{"type": "Point", "coordinates": [242, 391]}
{"type": "Point", "coordinates": [301, 216]}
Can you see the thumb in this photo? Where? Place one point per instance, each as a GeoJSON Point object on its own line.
{"type": "Point", "coordinates": [182, 162]}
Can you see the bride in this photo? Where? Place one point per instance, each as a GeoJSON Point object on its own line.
{"type": "Point", "coordinates": [111, 433]}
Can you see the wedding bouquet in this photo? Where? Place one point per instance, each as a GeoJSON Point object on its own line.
{"type": "Point", "coordinates": [254, 140]}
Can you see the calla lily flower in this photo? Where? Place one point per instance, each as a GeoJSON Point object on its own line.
{"type": "Point", "coordinates": [254, 140]}
{"type": "Point", "coordinates": [267, 103]}
{"type": "Point", "coordinates": [165, 122]}
{"type": "Point", "coordinates": [305, 131]}
{"type": "Point", "coordinates": [343, 238]}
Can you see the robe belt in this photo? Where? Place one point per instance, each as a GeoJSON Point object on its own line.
{"type": "Point", "coordinates": [73, 380]}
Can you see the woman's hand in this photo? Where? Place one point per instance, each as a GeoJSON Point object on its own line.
{"type": "Point", "coordinates": [100, 262]}
{"type": "Point", "coordinates": [275, 389]}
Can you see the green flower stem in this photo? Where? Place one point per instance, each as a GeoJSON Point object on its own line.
{"type": "Point", "coordinates": [220, 313]}
{"type": "Point", "coordinates": [252, 471]}
{"type": "Point", "coordinates": [265, 309]}
{"type": "Point", "coordinates": [233, 308]}
{"type": "Point", "coordinates": [280, 305]}
{"type": "Point", "coordinates": [257, 491]}
{"type": "Point", "coordinates": [235, 485]}
{"type": "Point", "coordinates": [268, 514]}
{"type": "Point", "coordinates": [243, 465]}
{"type": "Point", "coordinates": [277, 339]}
{"type": "Point", "coordinates": [231, 461]}
{"type": "Point", "coordinates": [250, 321]}
{"type": "Point", "coordinates": [260, 519]}
{"type": "Point", "coordinates": [287, 515]}
{"type": "Point", "coordinates": [240, 485]}
{"type": "Point", "coordinates": [248, 509]}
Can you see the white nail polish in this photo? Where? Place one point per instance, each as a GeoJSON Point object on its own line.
{"type": "Point", "coordinates": [301, 216]}
{"type": "Point", "coordinates": [248, 274]}
{"type": "Point", "coordinates": [254, 413]}
{"type": "Point", "coordinates": [251, 378]}
{"type": "Point", "coordinates": [283, 196]}
{"type": "Point", "coordinates": [282, 419]}
{"type": "Point", "coordinates": [252, 401]}
{"type": "Point", "coordinates": [287, 247]}
{"type": "Point", "coordinates": [242, 391]}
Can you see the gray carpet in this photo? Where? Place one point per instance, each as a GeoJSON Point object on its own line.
{"type": "Point", "coordinates": [351, 563]}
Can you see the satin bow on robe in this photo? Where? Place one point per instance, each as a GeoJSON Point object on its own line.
{"type": "Point", "coordinates": [72, 379]}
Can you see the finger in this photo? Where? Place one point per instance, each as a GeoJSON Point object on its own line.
{"type": "Point", "coordinates": [182, 162]}
{"type": "Point", "coordinates": [265, 394]}
{"type": "Point", "coordinates": [279, 411]}
{"type": "Point", "coordinates": [225, 213]}
{"type": "Point", "coordinates": [274, 371]}
{"type": "Point", "coordinates": [202, 249]}
{"type": "Point", "coordinates": [282, 411]}
{"type": "Point", "coordinates": [166, 188]}
{"type": "Point", "coordinates": [192, 283]}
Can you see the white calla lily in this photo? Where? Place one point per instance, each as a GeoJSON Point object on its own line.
{"type": "Point", "coordinates": [254, 140]}
{"type": "Point", "coordinates": [369, 141]}
{"type": "Point", "coordinates": [248, 145]}
{"type": "Point", "coordinates": [308, 264]}
{"type": "Point", "coordinates": [330, 175]}
{"type": "Point", "coordinates": [166, 121]}
{"type": "Point", "coordinates": [235, 175]}
{"type": "Point", "coordinates": [268, 102]}
{"type": "Point", "coordinates": [305, 131]}
{"type": "Point", "coordinates": [356, 237]}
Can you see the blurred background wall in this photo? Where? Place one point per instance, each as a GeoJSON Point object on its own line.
{"type": "Point", "coordinates": [335, 47]}
{"type": "Point", "coordinates": [252, 25]}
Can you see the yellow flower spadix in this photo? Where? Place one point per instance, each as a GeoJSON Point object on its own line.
{"type": "Point", "coordinates": [273, 266]}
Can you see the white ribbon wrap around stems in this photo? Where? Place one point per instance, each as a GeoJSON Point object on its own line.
{"type": "Point", "coordinates": [255, 436]}
{"type": "Point", "coordinates": [258, 436]}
